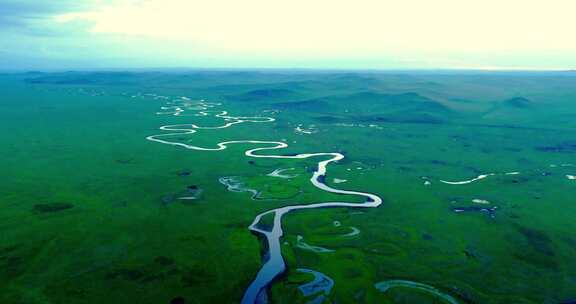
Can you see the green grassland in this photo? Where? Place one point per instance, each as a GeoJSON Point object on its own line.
{"type": "Point", "coordinates": [89, 209]}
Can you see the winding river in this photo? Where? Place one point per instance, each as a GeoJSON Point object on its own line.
{"type": "Point", "coordinates": [275, 264]}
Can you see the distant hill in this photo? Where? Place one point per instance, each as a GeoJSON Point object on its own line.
{"type": "Point", "coordinates": [263, 95]}
{"type": "Point", "coordinates": [53, 80]}
{"type": "Point", "coordinates": [312, 105]}
{"type": "Point", "coordinates": [394, 102]}
{"type": "Point", "coordinates": [368, 106]}
{"type": "Point", "coordinates": [84, 78]}
{"type": "Point", "coordinates": [368, 102]}
{"type": "Point", "coordinates": [512, 108]}
{"type": "Point", "coordinates": [518, 102]}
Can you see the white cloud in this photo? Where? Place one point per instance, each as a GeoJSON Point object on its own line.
{"type": "Point", "coordinates": [317, 33]}
{"type": "Point", "coordinates": [345, 27]}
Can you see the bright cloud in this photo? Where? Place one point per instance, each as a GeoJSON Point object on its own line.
{"type": "Point", "coordinates": [369, 25]}
{"type": "Point", "coordinates": [425, 33]}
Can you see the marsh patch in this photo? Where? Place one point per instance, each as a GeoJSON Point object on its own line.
{"type": "Point", "coordinates": [562, 147]}
{"type": "Point", "coordinates": [51, 207]}
{"type": "Point", "coordinates": [538, 240]}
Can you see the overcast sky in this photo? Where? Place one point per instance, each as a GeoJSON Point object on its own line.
{"type": "Point", "coordinates": [481, 34]}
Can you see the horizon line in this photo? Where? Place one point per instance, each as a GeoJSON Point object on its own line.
{"type": "Point", "coordinates": [424, 69]}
